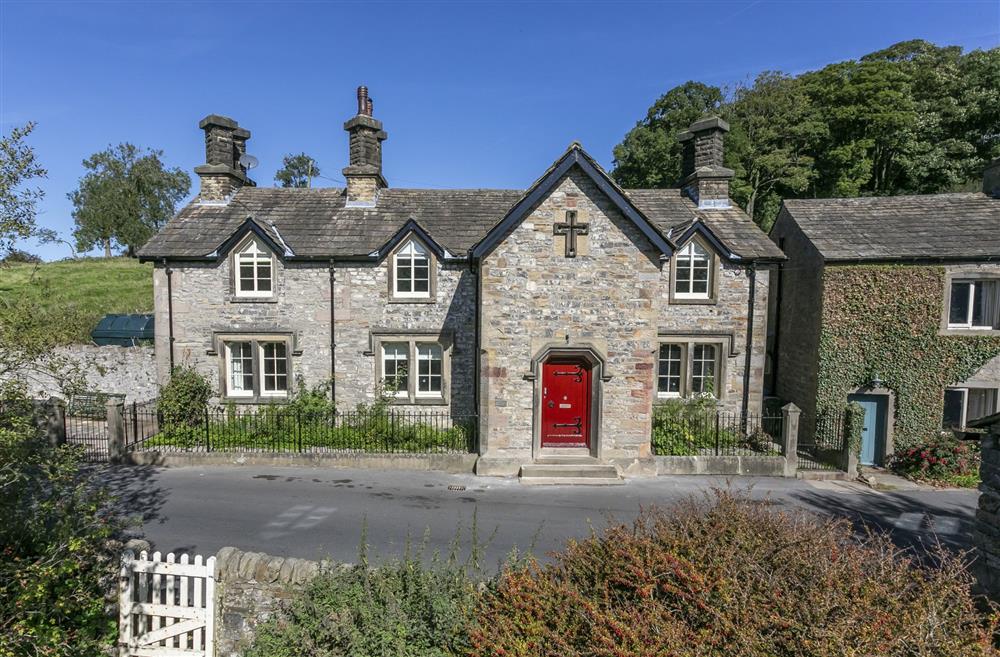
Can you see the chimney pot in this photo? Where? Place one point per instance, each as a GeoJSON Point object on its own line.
{"type": "Point", "coordinates": [363, 100]}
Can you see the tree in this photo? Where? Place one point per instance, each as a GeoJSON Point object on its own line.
{"type": "Point", "coordinates": [297, 171]}
{"type": "Point", "coordinates": [17, 201]}
{"type": "Point", "coordinates": [774, 125]}
{"type": "Point", "coordinates": [124, 198]}
{"type": "Point", "coordinates": [650, 155]}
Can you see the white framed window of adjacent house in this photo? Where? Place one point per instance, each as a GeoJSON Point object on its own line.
{"type": "Point", "coordinates": [962, 405]}
{"type": "Point", "coordinates": [974, 304]}
{"type": "Point", "coordinates": [414, 369]}
{"type": "Point", "coordinates": [254, 270]}
{"type": "Point", "coordinates": [687, 368]}
{"type": "Point", "coordinates": [256, 368]}
{"type": "Point", "coordinates": [411, 269]}
{"type": "Point", "coordinates": [693, 272]}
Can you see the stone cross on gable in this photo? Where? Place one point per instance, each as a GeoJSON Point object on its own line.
{"type": "Point", "coordinates": [570, 228]}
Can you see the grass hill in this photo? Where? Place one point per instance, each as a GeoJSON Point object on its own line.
{"type": "Point", "coordinates": [78, 293]}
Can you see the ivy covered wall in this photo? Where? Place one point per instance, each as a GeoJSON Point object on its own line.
{"type": "Point", "coordinates": [885, 320]}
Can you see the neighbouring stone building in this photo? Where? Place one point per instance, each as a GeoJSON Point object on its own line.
{"type": "Point", "coordinates": [893, 302]}
{"type": "Point", "coordinates": [555, 316]}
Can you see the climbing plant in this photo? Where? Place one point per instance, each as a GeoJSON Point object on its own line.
{"type": "Point", "coordinates": [885, 321]}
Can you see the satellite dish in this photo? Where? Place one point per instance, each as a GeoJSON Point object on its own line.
{"type": "Point", "coordinates": [248, 161]}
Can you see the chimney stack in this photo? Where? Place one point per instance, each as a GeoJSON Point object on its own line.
{"type": "Point", "coordinates": [364, 174]}
{"type": "Point", "coordinates": [703, 177]}
{"type": "Point", "coordinates": [991, 179]}
{"type": "Point", "coordinates": [222, 175]}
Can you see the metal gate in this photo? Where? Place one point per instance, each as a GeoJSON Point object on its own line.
{"type": "Point", "coordinates": [823, 447]}
{"type": "Point", "coordinates": [166, 608]}
{"type": "Point", "coordinates": [86, 422]}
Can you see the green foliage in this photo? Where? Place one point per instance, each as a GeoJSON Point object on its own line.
{"type": "Point", "coordinates": [688, 427]}
{"type": "Point", "coordinates": [650, 155]}
{"type": "Point", "coordinates": [885, 321]}
{"type": "Point", "coordinates": [57, 560]}
{"type": "Point", "coordinates": [67, 298]}
{"type": "Point", "coordinates": [940, 459]}
{"type": "Point", "coordinates": [183, 402]}
{"type": "Point", "coordinates": [125, 197]}
{"type": "Point", "coordinates": [913, 118]}
{"type": "Point", "coordinates": [732, 577]}
{"type": "Point", "coordinates": [18, 166]}
{"type": "Point", "coordinates": [297, 171]}
{"type": "Point", "coordinates": [307, 421]}
{"type": "Point", "coordinates": [20, 257]}
{"type": "Point", "coordinates": [402, 608]}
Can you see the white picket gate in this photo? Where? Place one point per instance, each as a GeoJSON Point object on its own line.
{"type": "Point", "coordinates": [167, 608]}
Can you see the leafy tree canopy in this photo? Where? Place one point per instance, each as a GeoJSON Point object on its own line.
{"type": "Point", "coordinates": [125, 197]}
{"type": "Point", "coordinates": [914, 118]}
{"type": "Point", "coordinates": [297, 171]}
{"type": "Point", "coordinates": [18, 166]}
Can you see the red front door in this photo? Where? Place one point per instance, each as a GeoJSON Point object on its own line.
{"type": "Point", "coordinates": [565, 404]}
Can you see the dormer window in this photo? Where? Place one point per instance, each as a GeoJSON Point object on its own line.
{"type": "Point", "coordinates": [254, 271]}
{"type": "Point", "coordinates": [692, 272]}
{"type": "Point", "coordinates": [412, 273]}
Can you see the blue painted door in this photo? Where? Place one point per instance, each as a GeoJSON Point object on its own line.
{"type": "Point", "coordinates": [872, 433]}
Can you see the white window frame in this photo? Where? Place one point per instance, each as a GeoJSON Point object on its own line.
{"type": "Point", "coordinates": [405, 392]}
{"type": "Point", "coordinates": [256, 255]}
{"type": "Point", "coordinates": [230, 390]}
{"type": "Point", "coordinates": [412, 394]}
{"type": "Point", "coordinates": [669, 394]}
{"type": "Point", "coordinates": [967, 324]}
{"type": "Point", "coordinates": [410, 250]}
{"type": "Point", "coordinates": [715, 368]}
{"type": "Point", "coordinates": [688, 253]}
{"type": "Point", "coordinates": [257, 344]}
{"type": "Point", "coordinates": [965, 402]}
{"type": "Point", "coordinates": [429, 347]}
{"type": "Point", "coordinates": [264, 392]}
{"type": "Point", "coordinates": [687, 347]}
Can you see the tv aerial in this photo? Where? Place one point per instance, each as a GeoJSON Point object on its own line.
{"type": "Point", "coordinates": [248, 161]}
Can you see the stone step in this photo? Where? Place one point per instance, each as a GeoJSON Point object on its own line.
{"type": "Point", "coordinates": [565, 471]}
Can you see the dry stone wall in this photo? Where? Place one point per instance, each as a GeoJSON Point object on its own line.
{"type": "Point", "coordinates": [129, 371]}
{"type": "Point", "coordinates": [250, 588]}
{"type": "Point", "coordinates": [986, 532]}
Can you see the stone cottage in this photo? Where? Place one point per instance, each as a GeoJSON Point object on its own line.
{"type": "Point", "coordinates": [892, 302]}
{"type": "Point", "coordinates": [556, 316]}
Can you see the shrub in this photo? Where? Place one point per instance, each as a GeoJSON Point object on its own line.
{"type": "Point", "coordinates": [942, 458]}
{"type": "Point", "coordinates": [183, 402]}
{"type": "Point", "coordinates": [402, 608]}
{"type": "Point", "coordinates": [727, 576]}
{"type": "Point", "coordinates": [57, 557]}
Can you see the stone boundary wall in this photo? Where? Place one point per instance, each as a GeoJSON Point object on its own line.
{"type": "Point", "coordinates": [986, 531]}
{"type": "Point", "coordinates": [250, 588]}
{"type": "Point", "coordinates": [450, 463]}
{"type": "Point", "coordinates": [129, 371]}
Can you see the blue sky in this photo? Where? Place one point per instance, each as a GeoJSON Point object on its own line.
{"type": "Point", "coordinates": [472, 94]}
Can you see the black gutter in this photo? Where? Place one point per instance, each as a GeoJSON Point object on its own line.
{"type": "Point", "coordinates": [749, 349]}
{"type": "Point", "coordinates": [333, 334]}
{"type": "Point", "coordinates": [170, 313]}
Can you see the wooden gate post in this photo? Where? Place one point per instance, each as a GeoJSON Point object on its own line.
{"type": "Point", "coordinates": [790, 438]}
{"type": "Point", "coordinates": [116, 430]}
{"type": "Point", "coordinates": [125, 603]}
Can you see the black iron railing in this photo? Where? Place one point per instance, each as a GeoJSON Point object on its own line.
{"type": "Point", "coordinates": [685, 432]}
{"type": "Point", "coordinates": [280, 429]}
{"type": "Point", "coordinates": [821, 442]}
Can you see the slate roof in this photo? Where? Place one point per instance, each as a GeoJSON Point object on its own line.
{"type": "Point", "coordinates": [314, 223]}
{"type": "Point", "coordinates": [962, 226]}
